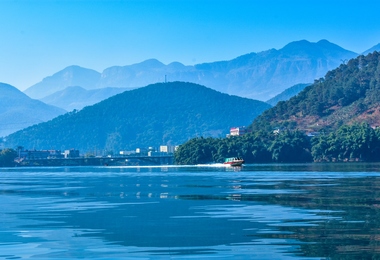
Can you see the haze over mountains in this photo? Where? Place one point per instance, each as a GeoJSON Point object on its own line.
{"type": "Point", "coordinates": [19, 111]}
{"type": "Point", "coordinates": [158, 114]}
{"type": "Point", "coordinates": [76, 87]}
{"type": "Point", "coordinates": [256, 75]}
{"type": "Point", "coordinates": [77, 97]}
{"type": "Point", "coordinates": [68, 77]}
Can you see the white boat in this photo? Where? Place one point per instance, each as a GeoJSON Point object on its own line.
{"type": "Point", "coordinates": [233, 161]}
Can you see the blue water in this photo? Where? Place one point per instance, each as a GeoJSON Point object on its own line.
{"type": "Point", "coordinates": [304, 211]}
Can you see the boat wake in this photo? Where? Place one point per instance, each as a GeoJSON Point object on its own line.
{"type": "Point", "coordinates": [216, 165]}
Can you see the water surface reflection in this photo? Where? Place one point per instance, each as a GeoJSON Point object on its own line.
{"type": "Point", "coordinates": [258, 212]}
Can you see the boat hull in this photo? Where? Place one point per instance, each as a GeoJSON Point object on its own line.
{"type": "Point", "coordinates": [234, 162]}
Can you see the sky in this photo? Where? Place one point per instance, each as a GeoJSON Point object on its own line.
{"type": "Point", "coordinates": [41, 37]}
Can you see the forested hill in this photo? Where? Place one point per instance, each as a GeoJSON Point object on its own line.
{"type": "Point", "coordinates": [159, 114]}
{"type": "Point", "coordinates": [348, 94]}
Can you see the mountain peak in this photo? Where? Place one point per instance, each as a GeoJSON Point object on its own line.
{"type": "Point", "coordinates": [74, 69]}
{"type": "Point", "coordinates": [321, 49]}
{"type": "Point", "coordinates": [70, 76]}
{"type": "Point", "coordinates": [326, 44]}
{"type": "Point", "coordinates": [10, 91]}
{"type": "Point", "coordinates": [374, 48]}
{"type": "Point", "coordinates": [150, 63]}
{"type": "Point", "coordinates": [306, 44]}
{"type": "Point", "coordinates": [5, 86]}
{"type": "Point", "coordinates": [176, 65]}
{"type": "Point", "coordinates": [297, 44]}
{"type": "Point", "coordinates": [324, 41]}
{"type": "Point", "coordinates": [19, 111]}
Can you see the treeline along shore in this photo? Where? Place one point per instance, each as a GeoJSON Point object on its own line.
{"type": "Point", "coordinates": [350, 143]}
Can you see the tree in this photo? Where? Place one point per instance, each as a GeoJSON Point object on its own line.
{"type": "Point", "coordinates": [357, 142]}
{"type": "Point", "coordinates": [290, 146]}
{"type": "Point", "coordinates": [7, 157]}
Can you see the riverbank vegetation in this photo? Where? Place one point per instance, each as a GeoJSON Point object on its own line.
{"type": "Point", "coordinates": [7, 157]}
{"type": "Point", "coordinates": [357, 142]}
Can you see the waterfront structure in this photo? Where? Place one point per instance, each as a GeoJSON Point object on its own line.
{"type": "Point", "coordinates": [168, 148]}
{"type": "Point", "coordinates": [72, 153]}
{"type": "Point", "coordinates": [237, 131]}
{"type": "Point", "coordinates": [127, 152]}
{"type": "Point", "coordinates": [39, 154]}
{"type": "Point", "coordinates": [141, 151]}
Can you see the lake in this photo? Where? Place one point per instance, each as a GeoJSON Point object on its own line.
{"type": "Point", "coordinates": [271, 211]}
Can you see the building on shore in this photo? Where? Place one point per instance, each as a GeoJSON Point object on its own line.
{"type": "Point", "coordinates": [237, 131]}
{"type": "Point", "coordinates": [39, 154]}
{"type": "Point", "coordinates": [168, 148]}
{"type": "Point", "coordinates": [72, 153]}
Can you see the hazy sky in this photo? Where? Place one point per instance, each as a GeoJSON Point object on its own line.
{"type": "Point", "coordinates": [41, 37]}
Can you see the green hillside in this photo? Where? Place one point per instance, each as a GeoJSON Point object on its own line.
{"type": "Point", "coordinates": [344, 107]}
{"type": "Point", "coordinates": [349, 94]}
{"type": "Point", "coordinates": [159, 114]}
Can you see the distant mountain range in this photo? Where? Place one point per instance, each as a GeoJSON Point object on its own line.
{"type": "Point", "coordinates": [159, 114]}
{"type": "Point", "coordinates": [259, 76]}
{"type": "Point", "coordinates": [346, 95]}
{"type": "Point", "coordinates": [272, 73]}
{"type": "Point", "coordinates": [77, 97]}
{"type": "Point", "coordinates": [19, 111]}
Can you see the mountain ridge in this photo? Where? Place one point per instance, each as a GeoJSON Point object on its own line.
{"type": "Point", "coordinates": [259, 75]}
{"type": "Point", "coordinates": [76, 97]}
{"type": "Point", "coordinates": [374, 48]}
{"type": "Point", "coordinates": [19, 111]}
{"type": "Point", "coordinates": [158, 114]}
{"type": "Point", "coordinates": [70, 76]}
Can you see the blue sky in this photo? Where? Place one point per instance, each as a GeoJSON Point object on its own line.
{"type": "Point", "coordinates": [41, 37]}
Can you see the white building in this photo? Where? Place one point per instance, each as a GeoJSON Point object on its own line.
{"type": "Point", "coordinates": [234, 131]}
{"type": "Point", "coordinates": [167, 149]}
